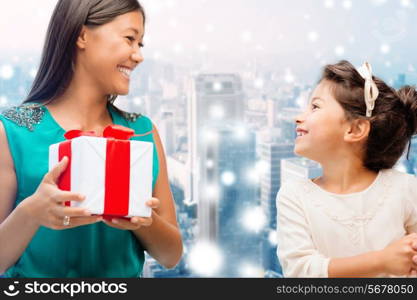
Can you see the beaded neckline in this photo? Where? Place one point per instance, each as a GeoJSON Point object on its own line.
{"type": "Point", "coordinates": [29, 115]}
{"type": "Point", "coordinates": [25, 115]}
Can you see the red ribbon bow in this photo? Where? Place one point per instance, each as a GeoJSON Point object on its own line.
{"type": "Point", "coordinates": [112, 131]}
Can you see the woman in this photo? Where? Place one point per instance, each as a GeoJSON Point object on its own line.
{"type": "Point", "coordinates": [90, 50]}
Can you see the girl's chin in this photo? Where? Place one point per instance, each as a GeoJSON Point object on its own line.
{"type": "Point", "coordinates": [298, 151]}
{"type": "Point", "coordinates": [302, 152]}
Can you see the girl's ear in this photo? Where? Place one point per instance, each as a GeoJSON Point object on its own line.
{"type": "Point", "coordinates": [357, 131]}
{"type": "Point", "coordinates": [82, 38]}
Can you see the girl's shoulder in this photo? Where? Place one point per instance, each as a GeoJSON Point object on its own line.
{"type": "Point", "coordinates": [399, 178]}
{"type": "Point", "coordinates": [388, 180]}
{"type": "Point", "coordinates": [388, 177]}
{"type": "Point", "coordinates": [294, 187]}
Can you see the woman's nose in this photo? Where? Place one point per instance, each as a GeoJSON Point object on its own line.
{"type": "Point", "coordinates": [137, 56]}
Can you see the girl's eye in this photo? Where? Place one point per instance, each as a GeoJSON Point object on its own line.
{"type": "Point", "coordinates": [314, 107]}
{"type": "Point", "coordinates": [141, 45]}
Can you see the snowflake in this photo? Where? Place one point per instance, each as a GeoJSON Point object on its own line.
{"type": "Point", "coordinates": [6, 72]}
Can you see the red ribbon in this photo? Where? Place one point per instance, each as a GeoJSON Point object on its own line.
{"type": "Point", "coordinates": [64, 182]}
{"type": "Point", "coordinates": [117, 176]}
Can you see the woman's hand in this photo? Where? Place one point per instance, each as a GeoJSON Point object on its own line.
{"type": "Point", "coordinates": [135, 222]}
{"type": "Point", "coordinates": [46, 206]}
{"type": "Point", "coordinates": [400, 257]}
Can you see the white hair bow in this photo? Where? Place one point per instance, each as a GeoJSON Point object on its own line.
{"type": "Point", "coordinates": [371, 91]}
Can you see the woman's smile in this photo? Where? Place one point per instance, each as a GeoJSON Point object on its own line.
{"type": "Point", "coordinates": [125, 71]}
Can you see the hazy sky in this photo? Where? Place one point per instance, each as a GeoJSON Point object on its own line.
{"type": "Point", "coordinates": [296, 36]}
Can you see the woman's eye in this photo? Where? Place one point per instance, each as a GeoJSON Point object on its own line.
{"type": "Point", "coordinates": [314, 107]}
{"type": "Point", "coordinates": [132, 39]}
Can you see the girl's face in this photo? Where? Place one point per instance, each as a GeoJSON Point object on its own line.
{"type": "Point", "coordinates": [111, 51]}
{"type": "Point", "coordinates": [321, 127]}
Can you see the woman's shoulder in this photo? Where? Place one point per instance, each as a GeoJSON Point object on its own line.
{"type": "Point", "coordinates": [26, 115]}
{"type": "Point", "coordinates": [133, 119]}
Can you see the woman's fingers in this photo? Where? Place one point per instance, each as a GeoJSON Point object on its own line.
{"type": "Point", "coordinates": [78, 221]}
{"type": "Point", "coordinates": [64, 196]}
{"type": "Point", "coordinates": [58, 223]}
{"type": "Point", "coordinates": [121, 224]}
{"type": "Point", "coordinates": [61, 211]}
{"type": "Point", "coordinates": [153, 203]}
{"type": "Point", "coordinates": [133, 224]}
{"type": "Point", "coordinates": [53, 175]}
{"type": "Point", "coordinates": [142, 221]}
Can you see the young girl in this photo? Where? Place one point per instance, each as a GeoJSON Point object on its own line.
{"type": "Point", "coordinates": [91, 48]}
{"type": "Point", "coordinates": [360, 217]}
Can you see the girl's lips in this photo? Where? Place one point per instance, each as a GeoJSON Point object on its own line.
{"type": "Point", "coordinates": [301, 132]}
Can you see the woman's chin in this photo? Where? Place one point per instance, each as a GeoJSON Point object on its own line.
{"type": "Point", "coordinates": [122, 92]}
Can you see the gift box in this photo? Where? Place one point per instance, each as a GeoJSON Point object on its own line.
{"type": "Point", "coordinates": [113, 172]}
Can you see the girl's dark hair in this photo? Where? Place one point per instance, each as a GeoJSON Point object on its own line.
{"type": "Point", "coordinates": [394, 118]}
{"type": "Point", "coordinates": [57, 62]}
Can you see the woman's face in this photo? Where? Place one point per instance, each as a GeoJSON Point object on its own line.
{"type": "Point", "coordinates": [112, 51]}
{"type": "Point", "coordinates": [321, 127]}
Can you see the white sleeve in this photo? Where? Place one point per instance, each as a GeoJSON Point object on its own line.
{"type": "Point", "coordinates": [296, 251]}
{"type": "Point", "coordinates": [410, 214]}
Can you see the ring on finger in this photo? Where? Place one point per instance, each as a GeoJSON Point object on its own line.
{"type": "Point", "coordinates": [66, 221]}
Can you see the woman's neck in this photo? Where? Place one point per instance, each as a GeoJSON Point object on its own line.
{"type": "Point", "coordinates": [82, 106]}
{"type": "Point", "coordinates": [344, 176]}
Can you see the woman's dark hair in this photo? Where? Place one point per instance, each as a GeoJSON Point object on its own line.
{"type": "Point", "coordinates": [57, 62]}
{"type": "Point", "coordinates": [394, 118]}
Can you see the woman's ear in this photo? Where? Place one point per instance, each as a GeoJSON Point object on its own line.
{"type": "Point", "coordinates": [82, 38]}
{"type": "Point", "coordinates": [357, 131]}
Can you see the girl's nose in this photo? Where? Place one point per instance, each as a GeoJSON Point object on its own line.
{"type": "Point", "coordinates": [300, 118]}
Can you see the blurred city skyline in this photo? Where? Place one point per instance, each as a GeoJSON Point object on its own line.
{"type": "Point", "coordinates": [294, 39]}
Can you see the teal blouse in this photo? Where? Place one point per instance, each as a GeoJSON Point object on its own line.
{"type": "Point", "coordinates": [95, 250]}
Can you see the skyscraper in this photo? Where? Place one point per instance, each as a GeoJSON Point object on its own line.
{"type": "Point", "coordinates": [226, 197]}
{"type": "Point", "coordinates": [212, 99]}
{"type": "Point", "coordinates": [222, 151]}
{"type": "Point", "coordinates": [271, 154]}
{"type": "Point", "coordinates": [166, 130]}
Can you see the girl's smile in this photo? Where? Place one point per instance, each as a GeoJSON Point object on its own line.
{"type": "Point", "coordinates": [321, 127]}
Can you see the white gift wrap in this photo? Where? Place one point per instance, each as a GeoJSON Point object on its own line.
{"type": "Point", "coordinates": [88, 164]}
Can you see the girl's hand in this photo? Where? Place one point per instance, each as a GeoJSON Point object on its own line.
{"type": "Point", "coordinates": [46, 206]}
{"type": "Point", "coordinates": [135, 222]}
{"type": "Point", "coordinates": [400, 258]}
{"type": "Point", "coordinates": [413, 273]}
